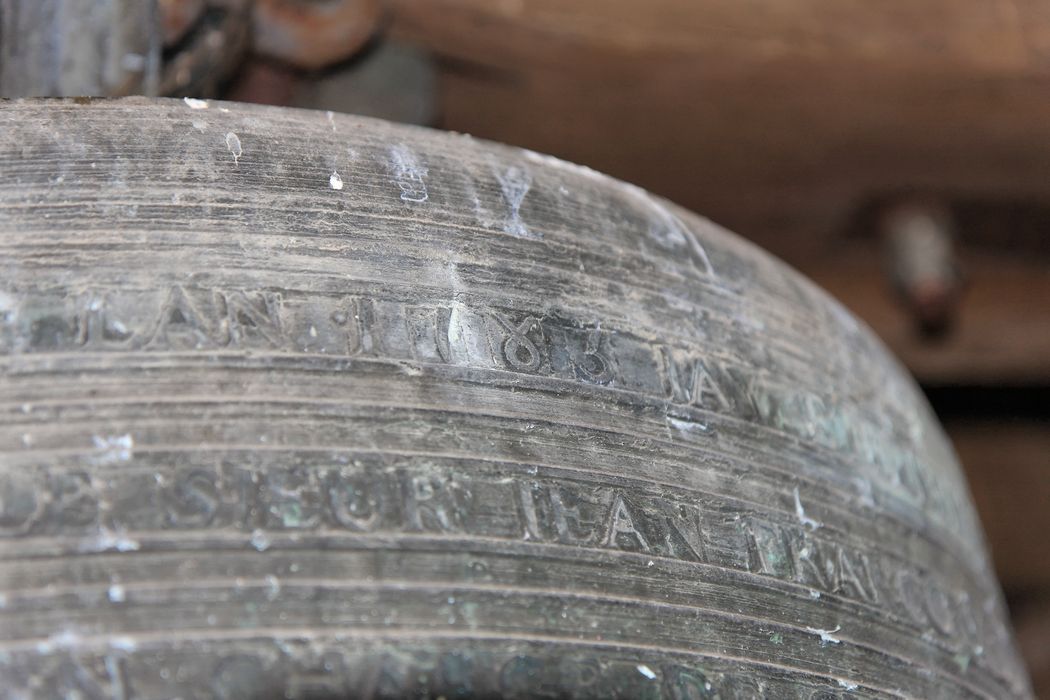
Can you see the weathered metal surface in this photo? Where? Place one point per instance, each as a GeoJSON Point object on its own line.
{"type": "Point", "coordinates": [303, 404]}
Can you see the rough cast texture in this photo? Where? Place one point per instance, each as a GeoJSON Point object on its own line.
{"type": "Point", "coordinates": [306, 405]}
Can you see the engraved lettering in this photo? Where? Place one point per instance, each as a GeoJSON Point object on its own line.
{"type": "Point", "coordinates": [74, 501]}
{"type": "Point", "coordinates": [352, 506]}
{"type": "Point", "coordinates": [690, 382]}
{"type": "Point", "coordinates": [795, 555]}
{"type": "Point", "coordinates": [444, 321]}
{"type": "Point", "coordinates": [768, 551]}
{"type": "Point", "coordinates": [195, 500]}
{"type": "Point", "coordinates": [424, 508]}
{"type": "Point", "coordinates": [566, 519]}
{"type": "Point", "coordinates": [293, 498]}
{"type": "Point", "coordinates": [359, 328]}
{"type": "Point", "coordinates": [19, 504]}
{"type": "Point", "coordinates": [939, 610]}
{"type": "Point", "coordinates": [180, 325]}
{"type": "Point", "coordinates": [592, 365]}
{"type": "Point", "coordinates": [621, 527]}
{"type": "Point", "coordinates": [855, 579]}
{"type": "Point", "coordinates": [684, 536]}
{"type": "Point", "coordinates": [96, 328]}
{"type": "Point", "coordinates": [682, 683]}
{"type": "Point", "coordinates": [518, 349]}
{"type": "Point", "coordinates": [249, 315]}
{"type": "Point", "coordinates": [528, 510]}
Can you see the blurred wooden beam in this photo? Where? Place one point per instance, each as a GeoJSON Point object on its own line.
{"type": "Point", "coordinates": [996, 36]}
{"type": "Point", "coordinates": [1001, 335]}
{"type": "Point", "coordinates": [1008, 466]}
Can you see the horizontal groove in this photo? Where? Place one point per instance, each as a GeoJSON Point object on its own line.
{"type": "Point", "coordinates": [267, 634]}
{"type": "Point", "coordinates": [524, 591]}
{"type": "Point", "coordinates": [933, 531]}
{"type": "Point", "coordinates": [757, 296]}
{"type": "Point", "coordinates": [335, 541]}
{"type": "Point", "coordinates": [875, 546]}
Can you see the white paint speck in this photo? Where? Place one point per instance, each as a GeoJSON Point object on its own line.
{"type": "Point", "coordinates": [233, 142]}
{"type": "Point", "coordinates": [113, 448]}
{"type": "Point", "coordinates": [8, 307]}
{"type": "Point", "coordinates": [334, 181]}
{"type": "Point", "coordinates": [116, 593]}
{"type": "Point", "coordinates": [109, 540]}
{"type": "Point", "coordinates": [803, 519]}
{"type": "Point", "coordinates": [846, 684]}
{"type": "Point", "coordinates": [194, 103]}
{"type": "Point", "coordinates": [273, 587]}
{"type": "Point", "coordinates": [260, 541]}
{"type": "Point", "coordinates": [826, 636]}
{"type": "Point", "coordinates": [410, 174]}
{"type": "Point", "coordinates": [686, 426]}
{"type": "Point", "coordinates": [814, 594]}
{"type": "Point", "coordinates": [66, 639]}
{"type": "Point", "coordinates": [122, 643]}
{"type": "Point", "coordinates": [646, 671]}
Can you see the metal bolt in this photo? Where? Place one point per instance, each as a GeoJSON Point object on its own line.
{"type": "Point", "coordinates": [918, 235]}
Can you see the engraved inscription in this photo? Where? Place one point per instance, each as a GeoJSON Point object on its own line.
{"type": "Point", "coordinates": [265, 499]}
{"type": "Point", "coordinates": [545, 344]}
{"type": "Point", "coordinates": [795, 554]}
{"type": "Point", "coordinates": [519, 350]}
{"type": "Point", "coordinates": [689, 382]}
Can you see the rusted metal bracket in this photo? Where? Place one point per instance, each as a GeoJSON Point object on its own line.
{"type": "Point", "coordinates": [168, 47]}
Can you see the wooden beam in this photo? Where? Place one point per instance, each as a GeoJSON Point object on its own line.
{"type": "Point", "coordinates": [1008, 466]}
{"type": "Point", "coordinates": [1001, 335]}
